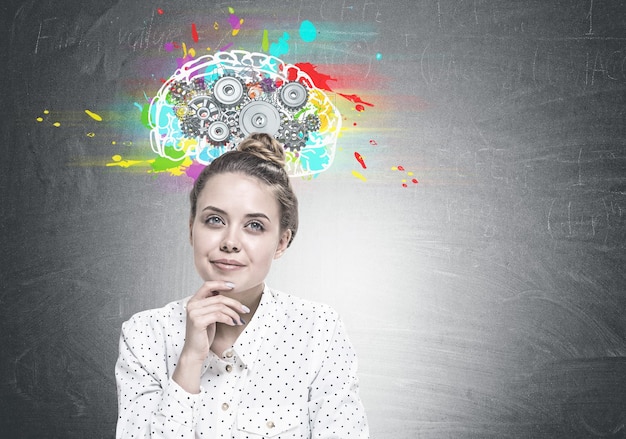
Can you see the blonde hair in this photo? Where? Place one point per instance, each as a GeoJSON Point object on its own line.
{"type": "Point", "coordinates": [261, 156]}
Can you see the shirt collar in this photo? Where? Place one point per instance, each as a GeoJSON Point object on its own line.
{"type": "Point", "coordinates": [264, 323]}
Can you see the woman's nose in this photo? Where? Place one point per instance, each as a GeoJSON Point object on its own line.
{"type": "Point", "coordinates": [230, 242]}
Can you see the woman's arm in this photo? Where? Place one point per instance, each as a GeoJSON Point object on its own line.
{"type": "Point", "coordinates": [150, 405]}
{"type": "Point", "coordinates": [335, 408]}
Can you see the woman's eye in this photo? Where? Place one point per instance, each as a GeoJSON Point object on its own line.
{"type": "Point", "coordinates": [256, 226]}
{"type": "Point", "coordinates": [213, 220]}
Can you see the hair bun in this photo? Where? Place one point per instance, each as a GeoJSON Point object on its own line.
{"type": "Point", "coordinates": [265, 147]}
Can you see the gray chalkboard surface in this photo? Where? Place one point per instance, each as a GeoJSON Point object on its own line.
{"type": "Point", "coordinates": [471, 229]}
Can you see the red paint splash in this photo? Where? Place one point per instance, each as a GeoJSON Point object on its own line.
{"type": "Point", "coordinates": [400, 168]}
{"type": "Point", "coordinates": [373, 142]}
{"type": "Point", "coordinates": [360, 108]}
{"type": "Point", "coordinates": [194, 32]}
{"type": "Point", "coordinates": [160, 11]}
{"type": "Point", "coordinates": [319, 79]}
{"type": "Point", "coordinates": [356, 100]}
{"type": "Point", "coordinates": [359, 158]}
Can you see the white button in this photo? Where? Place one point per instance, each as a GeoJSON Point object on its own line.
{"type": "Point", "coordinates": [270, 424]}
{"type": "Point", "coordinates": [225, 406]}
{"type": "Point", "coordinates": [229, 368]}
{"type": "Point", "coordinates": [228, 354]}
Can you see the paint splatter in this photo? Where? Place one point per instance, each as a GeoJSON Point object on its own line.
{"type": "Point", "coordinates": [160, 11]}
{"type": "Point", "coordinates": [194, 32]}
{"type": "Point", "coordinates": [118, 161]}
{"type": "Point", "coordinates": [226, 47]}
{"type": "Point", "coordinates": [234, 21]}
{"type": "Point", "coordinates": [359, 175]}
{"type": "Point", "coordinates": [265, 44]}
{"type": "Point", "coordinates": [359, 158]}
{"type": "Point", "coordinates": [409, 174]}
{"type": "Point", "coordinates": [281, 47]}
{"type": "Point", "coordinates": [93, 115]}
{"type": "Point", "coordinates": [356, 99]}
{"type": "Point", "coordinates": [320, 79]}
{"type": "Point", "coordinates": [379, 56]}
{"type": "Point", "coordinates": [308, 32]}
{"type": "Point", "coordinates": [373, 142]}
{"type": "Point", "coordinates": [45, 118]}
{"type": "Point", "coordinates": [360, 108]}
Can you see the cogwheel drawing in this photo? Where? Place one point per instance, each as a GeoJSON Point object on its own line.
{"type": "Point", "coordinates": [213, 102]}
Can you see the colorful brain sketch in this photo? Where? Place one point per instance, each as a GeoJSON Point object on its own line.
{"type": "Point", "coordinates": [212, 102]}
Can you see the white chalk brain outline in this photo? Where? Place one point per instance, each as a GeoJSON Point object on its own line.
{"type": "Point", "coordinates": [212, 102]}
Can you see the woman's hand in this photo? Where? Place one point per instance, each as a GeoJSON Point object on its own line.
{"type": "Point", "coordinates": [204, 310]}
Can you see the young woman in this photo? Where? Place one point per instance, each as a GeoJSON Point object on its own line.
{"type": "Point", "coordinates": [239, 359]}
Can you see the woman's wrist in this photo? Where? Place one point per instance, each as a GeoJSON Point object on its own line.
{"type": "Point", "coordinates": [187, 373]}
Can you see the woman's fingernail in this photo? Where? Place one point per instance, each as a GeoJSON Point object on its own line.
{"type": "Point", "coordinates": [243, 322]}
{"type": "Point", "coordinates": [230, 285]}
{"type": "Point", "coordinates": [245, 309]}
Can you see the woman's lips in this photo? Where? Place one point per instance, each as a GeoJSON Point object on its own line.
{"type": "Point", "coordinates": [227, 264]}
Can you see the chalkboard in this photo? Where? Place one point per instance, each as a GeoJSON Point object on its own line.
{"type": "Point", "coordinates": [471, 229]}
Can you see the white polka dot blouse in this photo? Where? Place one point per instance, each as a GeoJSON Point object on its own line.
{"type": "Point", "coordinates": [290, 374]}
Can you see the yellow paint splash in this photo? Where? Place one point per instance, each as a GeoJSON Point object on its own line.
{"type": "Point", "coordinates": [120, 162]}
{"type": "Point", "coordinates": [46, 113]}
{"type": "Point", "coordinates": [191, 52]}
{"type": "Point", "coordinates": [236, 31]}
{"type": "Point", "coordinates": [359, 175]}
{"type": "Point", "coordinates": [93, 115]}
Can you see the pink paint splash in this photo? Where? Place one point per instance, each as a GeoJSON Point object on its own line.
{"type": "Point", "coordinates": [194, 170]}
{"type": "Point", "coordinates": [235, 22]}
{"type": "Point", "coordinates": [170, 47]}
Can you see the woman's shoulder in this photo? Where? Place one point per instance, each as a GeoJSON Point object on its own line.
{"type": "Point", "coordinates": [165, 317]}
{"type": "Point", "coordinates": [291, 304]}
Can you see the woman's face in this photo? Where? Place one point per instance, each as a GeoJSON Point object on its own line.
{"type": "Point", "coordinates": [236, 233]}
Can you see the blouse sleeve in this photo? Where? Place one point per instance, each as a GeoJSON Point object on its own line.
{"type": "Point", "coordinates": [150, 404]}
{"type": "Point", "coordinates": [335, 408]}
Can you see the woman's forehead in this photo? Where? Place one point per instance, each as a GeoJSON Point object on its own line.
{"type": "Point", "coordinates": [238, 192]}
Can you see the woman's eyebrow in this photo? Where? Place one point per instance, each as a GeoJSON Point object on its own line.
{"type": "Point", "coordinates": [258, 215]}
{"type": "Point", "coordinates": [249, 215]}
{"type": "Point", "coordinates": [215, 209]}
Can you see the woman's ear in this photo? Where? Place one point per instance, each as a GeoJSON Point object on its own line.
{"type": "Point", "coordinates": [285, 239]}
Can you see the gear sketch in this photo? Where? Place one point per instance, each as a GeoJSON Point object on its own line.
{"type": "Point", "coordinates": [212, 102]}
